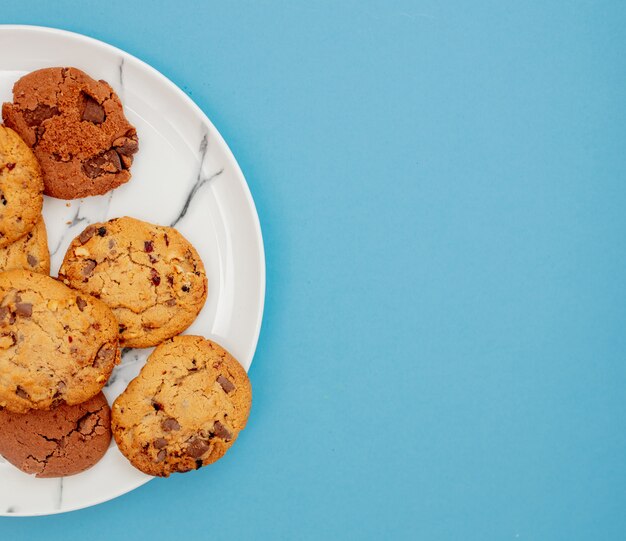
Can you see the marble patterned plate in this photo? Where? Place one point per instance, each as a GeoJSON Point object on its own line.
{"type": "Point", "coordinates": [184, 175]}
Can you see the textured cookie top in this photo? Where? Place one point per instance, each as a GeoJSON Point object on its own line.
{"type": "Point", "coordinates": [28, 253]}
{"type": "Point", "coordinates": [21, 187]}
{"type": "Point", "coordinates": [56, 345]}
{"type": "Point", "coordinates": [77, 128]}
{"type": "Point", "coordinates": [59, 442]}
{"type": "Point", "coordinates": [184, 409]}
{"type": "Point", "coordinates": [150, 276]}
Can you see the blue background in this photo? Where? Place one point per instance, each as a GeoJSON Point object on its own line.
{"type": "Point", "coordinates": [441, 187]}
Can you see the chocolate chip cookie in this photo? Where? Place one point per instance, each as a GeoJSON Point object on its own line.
{"type": "Point", "coordinates": [151, 276]}
{"type": "Point", "coordinates": [21, 187]}
{"type": "Point", "coordinates": [28, 253]}
{"type": "Point", "coordinates": [77, 129]}
{"type": "Point", "coordinates": [59, 442]}
{"type": "Point", "coordinates": [56, 344]}
{"type": "Point", "coordinates": [185, 408]}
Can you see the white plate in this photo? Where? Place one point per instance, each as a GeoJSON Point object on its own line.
{"type": "Point", "coordinates": [183, 174]}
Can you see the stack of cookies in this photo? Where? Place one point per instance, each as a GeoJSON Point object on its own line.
{"type": "Point", "coordinates": [123, 283]}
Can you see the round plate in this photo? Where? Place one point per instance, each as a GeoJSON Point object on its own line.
{"type": "Point", "coordinates": [183, 175]}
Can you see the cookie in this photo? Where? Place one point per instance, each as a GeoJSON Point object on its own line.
{"type": "Point", "coordinates": [150, 276]}
{"type": "Point", "coordinates": [28, 253]}
{"type": "Point", "coordinates": [56, 344]}
{"type": "Point", "coordinates": [21, 187]}
{"type": "Point", "coordinates": [185, 408]}
{"type": "Point", "coordinates": [77, 129]}
{"type": "Point", "coordinates": [59, 442]}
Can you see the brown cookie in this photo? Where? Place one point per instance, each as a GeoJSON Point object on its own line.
{"type": "Point", "coordinates": [77, 129]}
{"type": "Point", "coordinates": [62, 441]}
{"type": "Point", "coordinates": [149, 275]}
{"type": "Point", "coordinates": [28, 253]}
{"type": "Point", "coordinates": [56, 345]}
{"type": "Point", "coordinates": [185, 408]}
{"type": "Point", "coordinates": [21, 187]}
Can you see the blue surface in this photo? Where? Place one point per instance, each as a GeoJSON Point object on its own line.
{"type": "Point", "coordinates": [441, 187]}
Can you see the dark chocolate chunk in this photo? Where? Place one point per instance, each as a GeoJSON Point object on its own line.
{"type": "Point", "coordinates": [24, 309]}
{"type": "Point", "coordinates": [159, 443]}
{"type": "Point", "coordinates": [154, 277]}
{"type": "Point", "coordinates": [170, 424]}
{"type": "Point", "coordinates": [102, 231]}
{"type": "Point", "coordinates": [161, 456]}
{"type": "Point", "coordinates": [81, 303]}
{"type": "Point", "coordinates": [220, 431]}
{"type": "Point", "coordinates": [148, 246]}
{"type": "Point", "coordinates": [40, 113]}
{"type": "Point", "coordinates": [93, 112]}
{"type": "Point", "coordinates": [32, 260]}
{"type": "Point", "coordinates": [87, 234]}
{"type": "Point", "coordinates": [226, 384]}
{"type": "Point", "coordinates": [89, 266]}
{"type": "Point", "coordinates": [197, 447]}
{"type": "Point", "coordinates": [22, 393]}
{"type": "Point", "coordinates": [107, 162]}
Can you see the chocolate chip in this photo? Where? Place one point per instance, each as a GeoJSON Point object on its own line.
{"type": "Point", "coordinates": [197, 447]}
{"type": "Point", "coordinates": [157, 406]}
{"type": "Point", "coordinates": [87, 234]}
{"type": "Point", "coordinates": [102, 231]}
{"type": "Point", "coordinates": [88, 267]}
{"type": "Point", "coordinates": [226, 384]}
{"type": "Point", "coordinates": [170, 279]}
{"type": "Point", "coordinates": [121, 328]}
{"type": "Point", "coordinates": [170, 424]}
{"type": "Point", "coordinates": [22, 393]}
{"type": "Point", "coordinates": [161, 456]}
{"type": "Point", "coordinates": [126, 148]}
{"type": "Point", "coordinates": [111, 244]}
{"type": "Point", "coordinates": [186, 288]}
{"type": "Point", "coordinates": [10, 166]}
{"type": "Point", "coordinates": [148, 246]}
{"type": "Point", "coordinates": [24, 309]}
{"type": "Point", "coordinates": [81, 303]}
{"type": "Point", "coordinates": [167, 239]}
{"type": "Point", "coordinates": [220, 431]}
{"type": "Point", "coordinates": [170, 302]}
{"type": "Point", "coordinates": [199, 464]}
{"type": "Point", "coordinates": [154, 277]}
{"type": "Point", "coordinates": [105, 356]}
{"type": "Point", "coordinates": [3, 199]}
{"type": "Point", "coordinates": [32, 260]}
{"type": "Point", "coordinates": [152, 259]}
{"type": "Point", "coordinates": [70, 339]}
{"type": "Point", "coordinates": [107, 162]}
{"type": "Point", "coordinates": [40, 113]}
{"type": "Point", "coordinates": [159, 443]}
{"type": "Point", "coordinates": [93, 112]}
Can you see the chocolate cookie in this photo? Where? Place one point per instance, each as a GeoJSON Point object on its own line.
{"type": "Point", "coordinates": [21, 187]}
{"type": "Point", "coordinates": [28, 253]}
{"type": "Point", "coordinates": [185, 408]}
{"type": "Point", "coordinates": [77, 129]}
{"type": "Point", "coordinates": [56, 345]}
{"type": "Point", "coordinates": [62, 441]}
{"type": "Point", "coordinates": [150, 276]}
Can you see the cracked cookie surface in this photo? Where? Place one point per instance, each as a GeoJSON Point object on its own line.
{"type": "Point", "coordinates": [76, 128]}
{"type": "Point", "coordinates": [149, 275]}
{"type": "Point", "coordinates": [185, 408]}
{"type": "Point", "coordinates": [56, 344]}
{"type": "Point", "coordinates": [28, 253]}
{"type": "Point", "coordinates": [21, 187]}
{"type": "Point", "coordinates": [62, 441]}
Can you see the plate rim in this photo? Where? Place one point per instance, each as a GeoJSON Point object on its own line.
{"type": "Point", "coordinates": [230, 157]}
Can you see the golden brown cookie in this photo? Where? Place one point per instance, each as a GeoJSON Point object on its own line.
{"type": "Point", "coordinates": [59, 442]}
{"type": "Point", "coordinates": [28, 253]}
{"type": "Point", "coordinates": [185, 408]}
{"type": "Point", "coordinates": [21, 187]}
{"type": "Point", "coordinates": [151, 276]}
{"type": "Point", "coordinates": [77, 129]}
{"type": "Point", "coordinates": [56, 344]}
